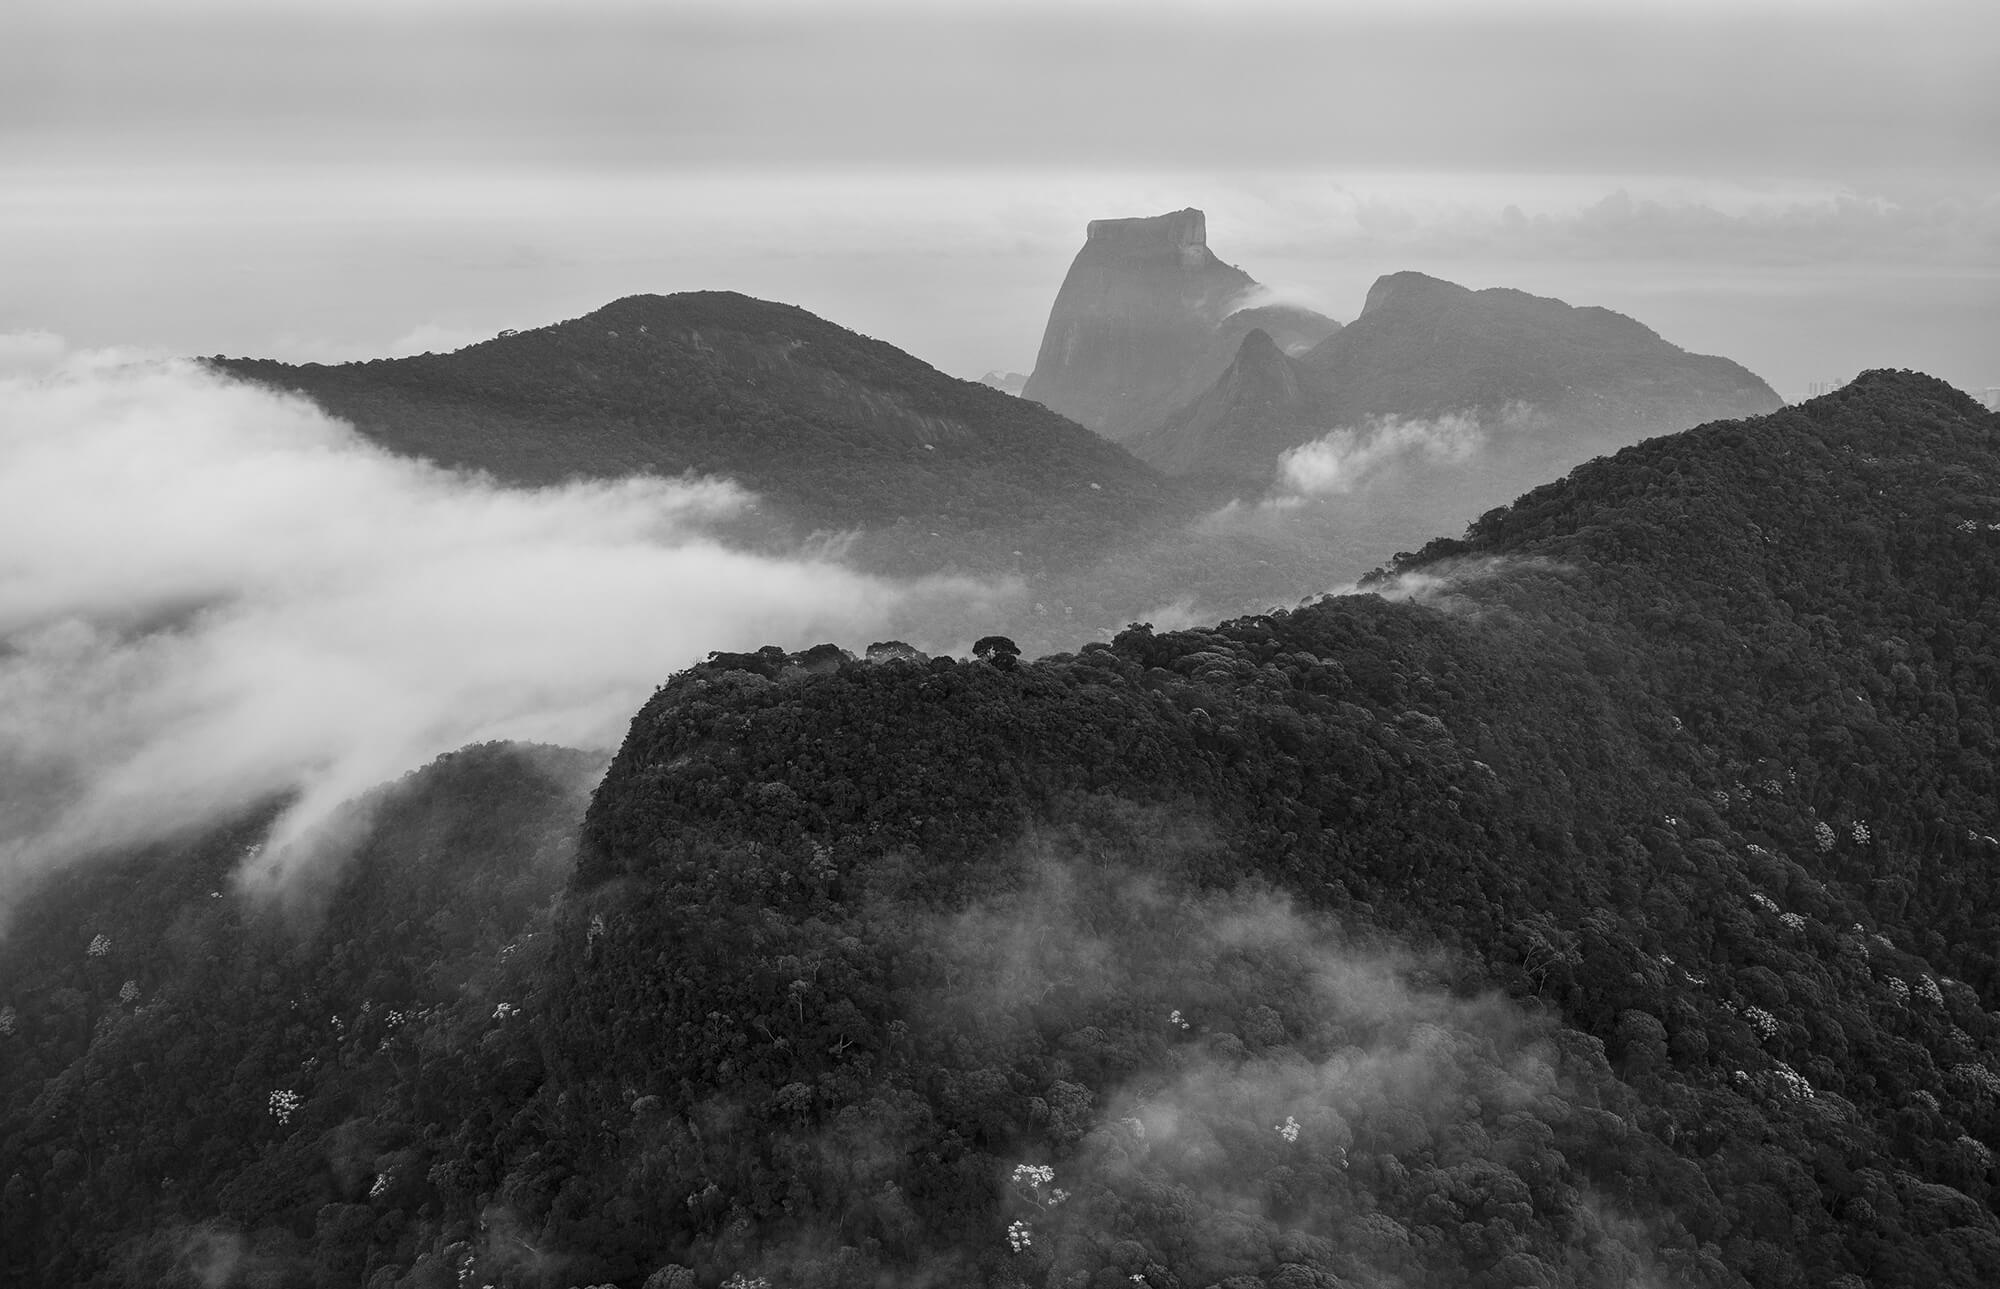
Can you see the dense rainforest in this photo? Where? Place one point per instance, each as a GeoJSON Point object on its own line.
{"type": "Point", "coordinates": [1610, 897]}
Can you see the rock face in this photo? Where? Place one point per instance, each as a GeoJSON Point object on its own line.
{"type": "Point", "coordinates": [1532, 386]}
{"type": "Point", "coordinates": [1141, 324]}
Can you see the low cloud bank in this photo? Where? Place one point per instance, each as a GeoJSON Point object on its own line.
{"type": "Point", "coordinates": [210, 593]}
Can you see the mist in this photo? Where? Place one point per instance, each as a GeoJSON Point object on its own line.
{"type": "Point", "coordinates": [211, 593]}
{"type": "Point", "coordinates": [1340, 460]}
{"type": "Point", "coordinates": [1299, 1089]}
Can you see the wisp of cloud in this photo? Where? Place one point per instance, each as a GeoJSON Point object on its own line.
{"type": "Point", "coordinates": [211, 593]}
{"type": "Point", "coordinates": [1343, 459]}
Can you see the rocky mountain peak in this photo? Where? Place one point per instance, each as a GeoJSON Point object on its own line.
{"type": "Point", "coordinates": [1181, 228]}
{"type": "Point", "coordinates": [1408, 289]}
{"type": "Point", "coordinates": [1136, 329]}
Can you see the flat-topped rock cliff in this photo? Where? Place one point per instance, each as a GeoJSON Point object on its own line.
{"type": "Point", "coordinates": [1140, 325]}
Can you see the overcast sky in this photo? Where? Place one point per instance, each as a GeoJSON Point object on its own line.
{"type": "Point", "coordinates": [1810, 188]}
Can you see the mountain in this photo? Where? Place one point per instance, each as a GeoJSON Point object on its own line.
{"type": "Point", "coordinates": [1144, 321]}
{"type": "Point", "coordinates": [833, 429]}
{"type": "Point", "coordinates": [1539, 385]}
{"type": "Point", "coordinates": [1258, 408]}
{"type": "Point", "coordinates": [1611, 897]}
{"type": "Point", "coordinates": [1010, 382]}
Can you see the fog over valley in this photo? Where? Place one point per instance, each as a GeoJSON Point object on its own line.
{"type": "Point", "coordinates": [1103, 644]}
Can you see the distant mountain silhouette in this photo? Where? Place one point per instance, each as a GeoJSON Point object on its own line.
{"type": "Point", "coordinates": [1146, 319]}
{"type": "Point", "coordinates": [833, 428]}
{"type": "Point", "coordinates": [1007, 382]}
{"type": "Point", "coordinates": [1544, 385]}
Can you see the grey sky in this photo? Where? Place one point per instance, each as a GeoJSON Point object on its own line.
{"type": "Point", "coordinates": [1809, 188]}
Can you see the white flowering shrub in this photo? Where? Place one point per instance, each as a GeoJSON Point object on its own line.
{"type": "Point", "coordinates": [1792, 1083]}
{"type": "Point", "coordinates": [504, 1010]}
{"type": "Point", "coordinates": [99, 946]}
{"type": "Point", "coordinates": [1772, 787]}
{"type": "Point", "coordinates": [128, 992]}
{"type": "Point", "coordinates": [741, 1281]}
{"type": "Point", "coordinates": [1928, 990]}
{"type": "Point", "coordinates": [1823, 835]}
{"type": "Point", "coordinates": [1029, 1179]}
{"type": "Point", "coordinates": [1671, 821]}
{"type": "Point", "coordinates": [1977, 1150]}
{"type": "Point", "coordinates": [1762, 1021]}
{"type": "Point", "coordinates": [1978, 1076]}
{"type": "Point", "coordinates": [284, 1103]}
{"type": "Point", "coordinates": [1897, 989]}
{"type": "Point", "coordinates": [1793, 921]}
{"type": "Point", "coordinates": [1174, 1017]}
{"type": "Point", "coordinates": [1020, 1237]}
{"type": "Point", "coordinates": [1289, 1129]}
{"type": "Point", "coordinates": [1925, 1099]}
{"type": "Point", "coordinates": [1860, 833]}
{"type": "Point", "coordinates": [1721, 798]}
{"type": "Point", "coordinates": [1763, 901]}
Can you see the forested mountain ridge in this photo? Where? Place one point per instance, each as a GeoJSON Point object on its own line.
{"type": "Point", "coordinates": [1607, 901]}
{"type": "Point", "coordinates": [1758, 1037]}
{"type": "Point", "coordinates": [832, 428]}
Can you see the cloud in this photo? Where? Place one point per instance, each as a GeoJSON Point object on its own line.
{"type": "Point", "coordinates": [1289, 295]}
{"type": "Point", "coordinates": [210, 593]}
{"type": "Point", "coordinates": [1343, 459]}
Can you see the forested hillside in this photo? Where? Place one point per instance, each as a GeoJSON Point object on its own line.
{"type": "Point", "coordinates": [1607, 900]}
{"type": "Point", "coordinates": [832, 429]}
{"type": "Point", "coordinates": [199, 1091]}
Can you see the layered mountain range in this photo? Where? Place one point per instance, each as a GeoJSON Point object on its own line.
{"type": "Point", "coordinates": [1550, 384]}
{"type": "Point", "coordinates": [1608, 899]}
{"type": "Point", "coordinates": [1146, 343]}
